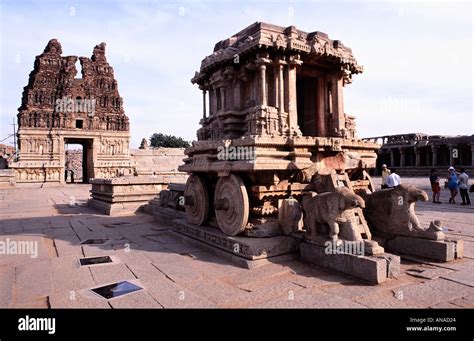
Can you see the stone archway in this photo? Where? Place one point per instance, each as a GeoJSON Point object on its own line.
{"type": "Point", "coordinates": [87, 162]}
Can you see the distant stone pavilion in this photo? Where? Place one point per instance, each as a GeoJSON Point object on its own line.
{"type": "Point", "coordinates": [416, 153]}
{"type": "Point", "coordinates": [58, 109]}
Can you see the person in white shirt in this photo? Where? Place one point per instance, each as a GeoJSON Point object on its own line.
{"type": "Point", "coordinates": [385, 174]}
{"type": "Point", "coordinates": [393, 180]}
{"type": "Point", "coordinates": [463, 180]}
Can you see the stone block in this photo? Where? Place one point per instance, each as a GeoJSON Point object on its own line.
{"type": "Point", "coordinates": [243, 247]}
{"type": "Point", "coordinates": [438, 250]}
{"type": "Point", "coordinates": [373, 269]}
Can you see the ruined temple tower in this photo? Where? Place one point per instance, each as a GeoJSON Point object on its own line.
{"type": "Point", "coordinates": [59, 108]}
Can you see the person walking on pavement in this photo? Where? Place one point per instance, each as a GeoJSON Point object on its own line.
{"type": "Point", "coordinates": [434, 180]}
{"type": "Point", "coordinates": [452, 184]}
{"type": "Point", "coordinates": [463, 187]}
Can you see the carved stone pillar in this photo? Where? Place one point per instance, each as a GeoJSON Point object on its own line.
{"type": "Point", "coordinates": [290, 95]}
{"type": "Point", "coordinates": [434, 156]}
{"type": "Point", "coordinates": [417, 157]}
{"type": "Point", "coordinates": [276, 86]}
{"type": "Point", "coordinates": [280, 94]}
{"type": "Point", "coordinates": [472, 154]}
{"type": "Point", "coordinates": [321, 107]}
{"type": "Point", "coordinates": [203, 103]}
{"type": "Point", "coordinates": [337, 106]}
{"type": "Point", "coordinates": [262, 84]}
{"type": "Point", "coordinates": [392, 158]}
{"type": "Point", "coordinates": [222, 90]}
{"type": "Point", "coordinates": [281, 86]}
{"type": "Point", "coordinates": [212, 101]}
{"type": "Point", "coordinates": [402, 157]}
{"type": "Point", "coordinates": [261, 62]}
{"type": "Point", "coordinates": [450, 157]}
{"type": "Point", "coordinates": [237, 95]}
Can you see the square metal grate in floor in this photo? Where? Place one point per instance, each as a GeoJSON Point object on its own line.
{"type": "Point", "coordinates": [95, 260]}
{"type": "Point", "coordinates": [116, 289]}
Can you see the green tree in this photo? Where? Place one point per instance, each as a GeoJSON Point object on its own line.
{"type": "Point", "coordinates": [169, 141]}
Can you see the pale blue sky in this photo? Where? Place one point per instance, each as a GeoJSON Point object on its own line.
{"type": "Point", "coordinates": [417, 55]}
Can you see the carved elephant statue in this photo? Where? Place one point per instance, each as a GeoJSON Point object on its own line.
{"type": "Point", "coordinates": [392, 211]}
{"type": "Point", "coordinates": [335, 209]}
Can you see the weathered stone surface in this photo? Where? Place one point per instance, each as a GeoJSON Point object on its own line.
{"type": "Point", "coordinates": [66, 245]}
{"type": "Point", "coordinates": [172, 295]}
{"type": "Point", "coordinates": [465, 276]}
{"type": "Point", "coordinates": [334, 209]}
{"type": "Point", "coordinates": [66, 299]}
{"type": "Point", "coordinates": [384, 299]}
{"type": "Point", "coordinates": [427, 271]}
{"type": "Point", "coordinates": [249, 248]}
{"type": "Point", "coordinates": [68, 277]}
{"type": "Point", "coordinates": [262, 228]}
{"type": "Point", "coordinates": [110, 273]}
{"type": "Point", "coordinates": [140, 299]}
{"type": "Point", "coordinates": [313, 298]}
{"type": "Point", "coordinates": [123, 196]}
{"type": "Point", "coordinates": [7, 278]}
{"type": "Point", "coordinates": [439, 250]}
{"type": "Point", "coordinates": [465, 302]}
{"type": "Point", "coordinates": [392, 212]}
{"type": "Point", "coordinates": [259, 285]}
{"type": "Point", "coordinates": [33, 281]}
{"type": "Point", "coordinates": [150, 161]}
{"type": "Point", "coordinates": [434, 292]}
{"type": "Point", "coordinates": [373, 269]}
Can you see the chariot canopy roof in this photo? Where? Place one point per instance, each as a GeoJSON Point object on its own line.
{"type": "Point", "coordinates": [315, 47]}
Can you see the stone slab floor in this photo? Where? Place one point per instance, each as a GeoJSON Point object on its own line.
{"type": "Point", "coordinates": [175, 274]}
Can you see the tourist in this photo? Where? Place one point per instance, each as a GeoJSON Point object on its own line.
{"type": "Point", "coordinates": [385, 174]}
{"type": "Point", "coordinates": [434, 180]}
{"type": "Point", "coordinates": [463, 187]}
{"type": "Point", "coordinates": [393, 180]}
{"type": "Point", "coordinates": [452, 180]}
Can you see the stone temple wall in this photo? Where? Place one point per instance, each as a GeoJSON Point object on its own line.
{"type": "Point", "coordinates": [157, 160]}
{"type": "Point", "coordinates": [60, 106]}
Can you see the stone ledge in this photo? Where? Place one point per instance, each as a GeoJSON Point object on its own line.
{"type": "Point", "coordinates": [242, 247]}
{"type": "Point", "coordinates": [239, 261]}
{"type": "Point", "coordinates": [438, 250]}
{"type": "Point", "coordinates": [373, 269]}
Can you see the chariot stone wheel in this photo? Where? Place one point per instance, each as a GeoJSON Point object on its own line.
{"type": "Point", "coordinates": [231, 203]}
{"type": "Point", "coordinates": [196, 200]}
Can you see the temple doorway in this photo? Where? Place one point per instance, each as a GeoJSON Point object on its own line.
{"type": "Point", "coordinates": [78, 163]}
